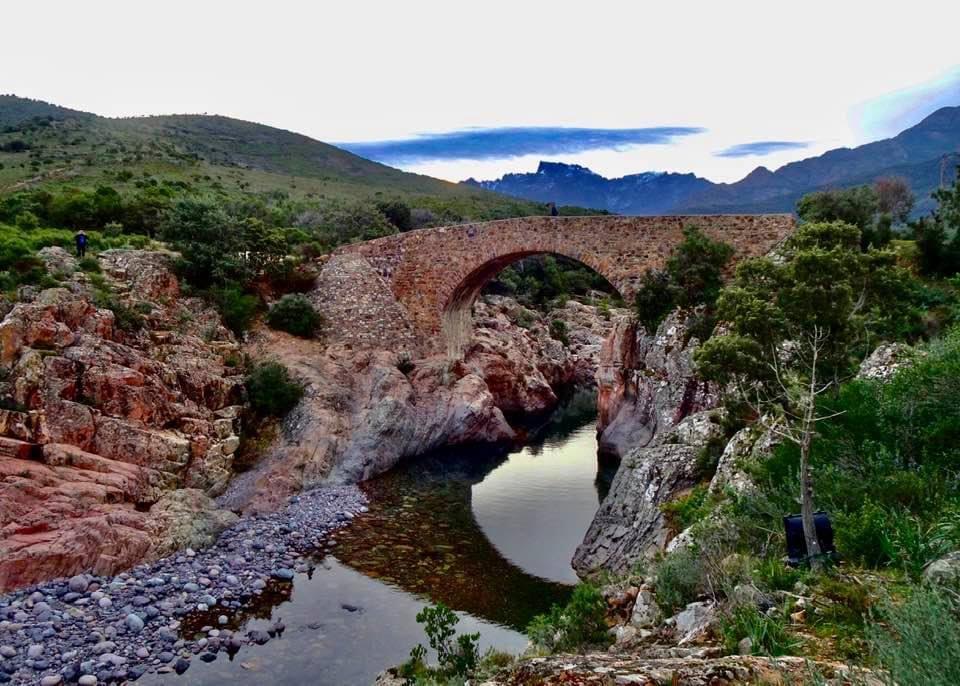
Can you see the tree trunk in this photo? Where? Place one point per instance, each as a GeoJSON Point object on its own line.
{"type": "Point", "coordinates": [806, 491]}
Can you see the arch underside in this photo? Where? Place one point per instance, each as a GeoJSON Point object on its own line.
{"type": "Point", "coordinates": [457, 313]}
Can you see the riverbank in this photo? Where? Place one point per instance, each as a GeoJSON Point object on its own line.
{"type": "Point", "coordinates": [110, 629]}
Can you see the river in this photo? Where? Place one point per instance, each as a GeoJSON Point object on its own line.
{"type": "Point", "coordinates": [490, 533]}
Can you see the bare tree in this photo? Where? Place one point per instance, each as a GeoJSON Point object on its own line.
{"type": "Point", "coordinates": [894, 197]}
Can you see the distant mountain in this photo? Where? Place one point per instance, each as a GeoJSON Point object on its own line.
{"type": "Point", "coordinates": [571, 184]}
{"type": "Point", "coordinates": [916, 154]}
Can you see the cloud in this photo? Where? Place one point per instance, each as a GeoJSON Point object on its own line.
{"type": "Point", "coordinates": [760, 148]}
{"type": "Point", "coordinates": [498, 143]}
{"type": "Point", "coordinates": [891, 113]}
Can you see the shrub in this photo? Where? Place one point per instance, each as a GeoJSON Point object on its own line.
{"type": "Point", "coordinates": [271, 390]}
{"type": "Point", "coordinates": [768, 635]}
{"type": "Point", "coordinates": [124, 318]}
{"type": "Point", "coordinates": [90, 265]}
{"type": "Point", "coordinates": [581, 622]}
{"type": "Point", "coordinates": [457, 655]}
{"type": "Point", "coordinates": [771, 574]}
{"type": "Point", "coordinates": [295, 315]}
{"type": "Point", "coordinates": [680, 580]}
{"type": "Point", "coordinates": [918, 641]}
{"type": "Point", "coordinates": [558, 331]}
{"type": "Point", "coordinates": [687, 509]}
{"type": "Point", "coordinates": [236, 307]}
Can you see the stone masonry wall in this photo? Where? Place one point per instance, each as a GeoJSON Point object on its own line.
{"type": "Point", "coordinates": [434, 274]}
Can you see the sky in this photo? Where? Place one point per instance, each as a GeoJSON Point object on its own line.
{"type": "Point", "coordinates": [459, 89]}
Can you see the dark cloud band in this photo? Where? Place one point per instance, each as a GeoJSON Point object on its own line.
{"type": "Point", "coordinates": [759, 148]}
{"type": "Point", "coordinates": [479, 144]}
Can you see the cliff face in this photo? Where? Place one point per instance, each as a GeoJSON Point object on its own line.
{"type": "Point", "coordinates": [647, 384]}
{"type": "Point", "coordinates": [361, 414]}
{"type": "Point", "coordinates": [103, 418]}
{"type": "Point", "coordinates": [654, 413]}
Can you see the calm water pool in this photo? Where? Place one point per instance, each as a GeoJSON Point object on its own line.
{"type": "Point", "coordinates": [490, 533]}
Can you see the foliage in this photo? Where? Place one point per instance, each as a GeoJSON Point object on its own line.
{"type": "Point", "coordinates": [582, 622]}
{"type": "Point", "coordinates": [89, 265]}
{"type": "Point", "coordinates": [236, 307]}
{"type": "Point", "coordinates": [296, 315]}
{"type": "Point", "coordinates": [542, 281]}
{"type": "Point", "coordinates": [693, 276]}
{"type": "Point", "coordinates": [397, 213]}
{"type": "Point", "coordinates": [654, 299]}
{"type": "Point", "coordinates": [872, 209]}
{"type": "Point", "coordinates": [768, 634]}
{"type": "Point", "coordinates": [885, 466]}
{"type": "Point", "coordinates": [558, 331]}
{"type": "Point", "coordinates": [680, 580]}
{"type": "Point", "coordinates": [688, 509]}
{"type": "Point", "coordinates": [938, 236]}
{"type": "Point", "coordinates": [271, 390]}
{"type": "Point", "coordinates": [918, 641]}
{"type": "Point", "coordinates": [457, 656]}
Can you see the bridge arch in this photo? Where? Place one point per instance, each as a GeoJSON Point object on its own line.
{"type": "Point", "coordinates": [457, 314]}
{"type": "Point", "coordinates": [413, 290]}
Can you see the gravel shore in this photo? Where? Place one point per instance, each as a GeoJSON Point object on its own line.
{"type": "Point", "coordinates": [95, 630]}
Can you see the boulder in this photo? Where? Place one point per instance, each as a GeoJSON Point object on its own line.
{"type": "Point", "coordinates": [694, 621]}
{"type": "Point", "coordinates": [944, 571]}
{"type": "Point", "coordinates": [187, 518]}
{"type": "Point", "coordinates": [885, 361]}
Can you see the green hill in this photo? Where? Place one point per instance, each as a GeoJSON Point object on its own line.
{"type": "Point", "coordinates": [47, 146]}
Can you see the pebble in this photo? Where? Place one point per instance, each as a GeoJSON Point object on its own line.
{"type": "Point", "coordinates": [134, 623]}
{"type": "Point", "coordinates": [83, 628]}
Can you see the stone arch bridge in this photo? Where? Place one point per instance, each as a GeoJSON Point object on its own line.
{"type": "Point", "coordinates": [414, 291]}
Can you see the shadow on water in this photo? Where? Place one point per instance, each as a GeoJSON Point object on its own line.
{"type": "Point", "coordinates": [457, 526]}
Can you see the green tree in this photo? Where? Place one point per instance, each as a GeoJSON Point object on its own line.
{"type": "Point", "coordinates": [798, 327]}
{"type": "Point", "coordinates": [693, 276]}
{"type": "Point", "coordinates": [938, 236]}
{"type": "Point", "coordinates": [857, 206]}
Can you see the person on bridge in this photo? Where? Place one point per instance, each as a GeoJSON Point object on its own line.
{"type": "Point", "coordinates": [81, 241]}
{"type": "Point", "coordinates": [554, 212]}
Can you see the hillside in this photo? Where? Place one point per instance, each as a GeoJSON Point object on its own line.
{"type": "Point", "coordinates": [915, 154]}
{"type": "Point", "coordinates": [46, 145]}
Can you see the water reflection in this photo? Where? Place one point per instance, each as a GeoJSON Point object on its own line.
{"type": "Point", "coordinates": [487, 532]}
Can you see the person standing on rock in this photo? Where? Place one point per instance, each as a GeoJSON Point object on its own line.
{"type": "Point", "coordinates": [81, 241]}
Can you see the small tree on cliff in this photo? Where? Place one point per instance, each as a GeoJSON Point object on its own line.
{"type": "Point", "coordinates": [798, 327]}
{"type": "Point", "coordinates": [693, 276]}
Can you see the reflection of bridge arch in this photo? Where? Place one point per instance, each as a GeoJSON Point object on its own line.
{"type": "Point", "coordinates": [415, 289]}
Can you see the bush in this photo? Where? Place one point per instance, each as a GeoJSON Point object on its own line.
{"type": "Point", "coordinates": [90, 265]}
{"type": "Point", "coordinates": [295, 315]}
{"type": "Point", "coordinates": [236, 307]}
{"type": "Point", "coordinates": [768, 635]}
{"type": "Point", "coordinates": [688, 509]}
{"type": "Point", "coordinates": [124, 318]}
{"type": "Point", "coordinates": [457, 655]}
{"type": "Point", "coordinates": [680, 580]}
{"type": "Point", "coordinates": [558, 331]}
{"type": "Point", "coordinates": [271, 390]}
{"type": "Point", "coordinates": [918, 641]}
{"type": "Point", "coordinates": [582, 622]}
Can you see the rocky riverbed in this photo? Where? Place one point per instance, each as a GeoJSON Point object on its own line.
{"type": "Point", "coordinates": [94, 629]}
